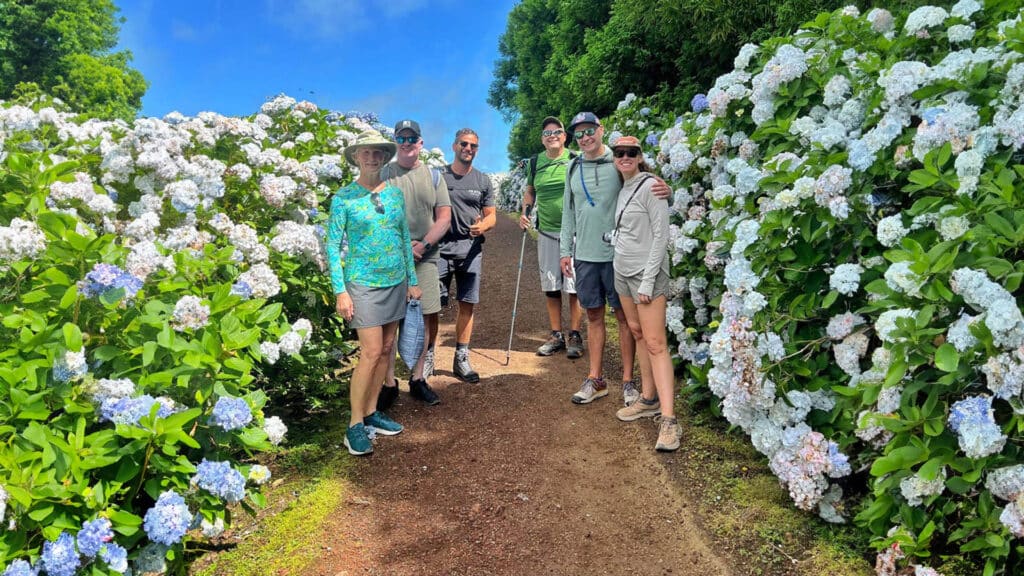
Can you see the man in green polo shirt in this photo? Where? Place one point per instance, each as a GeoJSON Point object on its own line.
{"type": "Point", "coordinates": [545, 189]}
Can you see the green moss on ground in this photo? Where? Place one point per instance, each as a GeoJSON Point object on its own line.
{"type": "Point", "coordinates": [283, 541]}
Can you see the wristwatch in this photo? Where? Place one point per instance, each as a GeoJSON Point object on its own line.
{"type": "Point", "coordinates": [427, 246]}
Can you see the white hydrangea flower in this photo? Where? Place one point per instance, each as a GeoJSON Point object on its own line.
{"type": "Point", "coordinates": [885, 325]}
{"type": "Point", "coordinates": [900, 278]}
{"type": "Point", "coordinates": [923, 18]}
{"type": "Point", "coordinates": [890, 230]}
{"type": "Point", "coordinates": [275, 429]}
{"type": "Point", "coordinates": [190, 314]}
{"type": "Point", "coordinates": [916, 488]}
{"type": "Point", "coordinates": [845, 279]}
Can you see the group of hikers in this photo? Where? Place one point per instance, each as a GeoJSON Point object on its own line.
{"type": "Point", "coordinates": [602, 224]}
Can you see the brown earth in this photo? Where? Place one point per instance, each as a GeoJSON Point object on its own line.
{"type": "Point", "coordinates": [508, 477]}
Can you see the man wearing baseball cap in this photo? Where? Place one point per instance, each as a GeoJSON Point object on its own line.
{"type": "Point", "coordinates": [544, 193]}
{"type": "Point", "coordinates": [591, 191]}
{"type": "Point", "coordinates": [428, 211]}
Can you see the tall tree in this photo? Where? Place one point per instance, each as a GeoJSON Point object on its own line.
{"type": "Point", "coordinates": [66, 48]}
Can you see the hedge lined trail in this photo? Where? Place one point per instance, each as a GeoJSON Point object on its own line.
{"type": "Point", "coordinates": [508, 476]}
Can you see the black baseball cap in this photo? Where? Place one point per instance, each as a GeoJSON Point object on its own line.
{"type": "Point", "coordinates": [584, 118]}
{"type": "Point", "coordinates": [408, 125]}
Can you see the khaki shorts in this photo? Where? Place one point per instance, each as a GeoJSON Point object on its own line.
{"type": "Point", "coordinates": [550, 262]}
{"type": "Point", "coordinates": [629, 286]}
{"type": "Point", "coordinates": [426, 277]}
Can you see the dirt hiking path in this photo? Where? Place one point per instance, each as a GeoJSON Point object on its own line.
{"type": "Point", "coordinates": [508, 477]}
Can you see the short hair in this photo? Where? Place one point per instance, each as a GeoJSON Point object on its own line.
{"type": "Point", "coordinates": [463, 131]}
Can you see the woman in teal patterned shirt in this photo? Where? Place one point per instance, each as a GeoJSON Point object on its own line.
{"type": "Point", "coordinates": [374, 281]}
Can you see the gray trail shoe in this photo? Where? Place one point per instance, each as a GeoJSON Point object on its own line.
{"type": "Point", "coordinates": [592, 389]}
{"type": "Point", "coordinates": [630, 393]}
{"type": "Point", "coordinates": [554, 343]}
{"type": "Point", "coordinates": [639, 409]}
{"type": "Point", "coordinates": [428, 363]}
{"type": "Point", "coordinates": [574, 347]}
{"type": "Point", "coordinates": [461, 368]}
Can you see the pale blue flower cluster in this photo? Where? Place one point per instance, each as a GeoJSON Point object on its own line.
{"type": "Point", "coordinates": [220, 479]}
{"type": "Point", "coordinates": [131, 410]}
{"type": "Point", "coordinates": [94, 535]}
{"type": "Point", "coordinates": [70, 366]}
{"type": "Point", "coordinates": [104, 278]}
{"type": "Point", "coordinates": [974, 423]}
{"type": "Point", "coordinates": [699, 103]}
{"type": "Point", "coordinates": [231, 413]}
{"type": "Point", "coordinates": [168, 520]}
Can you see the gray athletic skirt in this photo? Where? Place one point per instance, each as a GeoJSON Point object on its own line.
{"type": "Point", "coordinates": [376, 306]}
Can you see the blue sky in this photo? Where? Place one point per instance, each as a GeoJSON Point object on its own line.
{"type": "Point", "coordinates": [430, 60]}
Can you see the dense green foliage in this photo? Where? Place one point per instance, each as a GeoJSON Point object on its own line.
{"type": "Point", "coordinates": [846, 249]}
{"type": "Point", "coordinates": [560, 57]}
{"type": "Point", "coordinates": [64, 48]}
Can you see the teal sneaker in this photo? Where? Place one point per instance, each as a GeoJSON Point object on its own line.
{"type": "Point", "coordinates": [384, 426]}
{"type": "Point", "coordinates": [357, 440]}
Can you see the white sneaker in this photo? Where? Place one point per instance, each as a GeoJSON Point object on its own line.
{"type": "Point", "coordinates": [630, 393]}
{"type": "Point", "coordinates": [592, 389]}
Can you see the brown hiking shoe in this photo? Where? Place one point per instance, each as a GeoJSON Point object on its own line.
{"type": "Point", "coordinates": [668, 435]}
{"type": "Point", "coordinates": [639, 409]}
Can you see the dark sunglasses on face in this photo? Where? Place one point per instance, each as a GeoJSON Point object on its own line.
{"type": "Point", "coordinates": [547, 133]}
{"type": "Point", "coordinates": [585, 132]}
{"type": "Point", "coordinates": [631, 152]}
{"type": "Point", "coordinates": [378, 206]}
{"type": "Point", "coordinates": [472, 145]}
{"type": "Point", "coordinates": [407, 139]}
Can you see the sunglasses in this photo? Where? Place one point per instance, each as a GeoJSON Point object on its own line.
{"type": "Point", "coordinates": [585, 132]}
{"type": "Point", "coordinates": [407, 139]}
{"type": "Point", "coordinates": [378, 206]}
{"type": "Point", "coordinates": [547, 133]}
{"type": "Point", "coordinates": [472, 145]}
{"type": "Point", "coordinates": [631, 152]}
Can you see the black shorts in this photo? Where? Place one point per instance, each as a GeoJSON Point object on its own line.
{"type": "Point", "coordinates": [466, 272]}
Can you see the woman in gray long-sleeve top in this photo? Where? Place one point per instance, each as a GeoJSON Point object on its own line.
{"type": "Point", "coordinates": [641, 265]}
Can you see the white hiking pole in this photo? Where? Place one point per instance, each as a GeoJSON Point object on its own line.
{"type": "Point", "coordinates": [515, 299]}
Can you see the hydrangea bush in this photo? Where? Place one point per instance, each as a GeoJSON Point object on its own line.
{"type": "Point", "coordinates": [848, 211]}
{"type": "Point", "coordinates": [155, 280]}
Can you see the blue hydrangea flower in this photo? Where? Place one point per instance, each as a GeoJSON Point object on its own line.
{"type": "Point", "coordinates": [971, 411]}
{"type": "Point", "coordinates": [116, 557]}
{"type": "Point", "coordinates": [241, 289]}
{"type": "Point", "coordinates": [106, 277]}
{"type": "Point", "coordinates": [70, 366]}
{"type": "Point", "coordinates": [231, 413]}
{"type": "Point", "coordinates": [930, 115]}
{"type": "Point", "coordinates": [652, 139]}
{"type": "Point", "coordinates": [839, 463]}
{"type": "Point", "coordinates": [19, 568]}
{"type": "Point", "coordinates": [60, 558]}
{"type": "Point", "coordinates": [699, 103]}
{"type": "Point", "coordinates": [220, 479]}
{"type": "Point", "coordinates": [129, 410]}
{"type": "Point", "coordinates": [645, 111]}
{"type": "Point", "coordinates": [93, 536]}
{"type": "Point", "coordinates": [168, 520]}
{"type": "Point", "coordinates": [313, 212]}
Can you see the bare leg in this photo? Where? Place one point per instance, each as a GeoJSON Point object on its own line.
{"type": "Point", "coordinates": [627, 344]}
{"type": "Point", "coordinates": [652, 322]}
{"type": "Point", "coordinates": [629, 309]}
{"type": "Point", "coordinates": [387, 348]}
{"type": "Point", "coordinates": [595, 340]}
{"type": "Point", "coordinates": [575, 313]}
{"type": "Point", "coordinates": [555, 313]}
{"type": "Point", "coordinates": [464, 323]}
{"type": "Point", "coordinates": [371, 342]}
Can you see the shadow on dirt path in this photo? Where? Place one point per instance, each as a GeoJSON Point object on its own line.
{"type": "Point", "coordinates": [508, 477]}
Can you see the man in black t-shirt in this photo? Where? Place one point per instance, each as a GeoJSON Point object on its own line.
{"type": "Point", "coordinates": [473, 214]}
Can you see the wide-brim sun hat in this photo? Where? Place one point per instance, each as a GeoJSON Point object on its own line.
{"type": "Point", "coordinates": [370, 139]}
{"type": "Point", "coordinates": [627, 142]}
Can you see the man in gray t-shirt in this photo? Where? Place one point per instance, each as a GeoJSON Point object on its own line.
{"type": "Point", "coordinates": [473, 214]}
{"type": "Point", "coordinates": [428, 212]}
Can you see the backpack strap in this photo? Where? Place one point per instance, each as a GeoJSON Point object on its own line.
{"type": "Point", "coordinates": [532, 168]}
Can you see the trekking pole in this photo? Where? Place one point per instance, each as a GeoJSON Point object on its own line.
{"type": "Point", "coordinates": [515, 299]}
